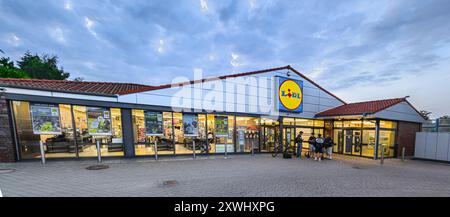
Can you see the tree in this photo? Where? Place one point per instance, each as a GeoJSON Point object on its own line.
{"type": "Point", "coordinates": [78, 79]}
{"type": "Point", "coordinates": [42, 67]}
{"type": "Point", "coordinates": [8, 70]}
{"type": "Point", "coordinates": [425, 114]}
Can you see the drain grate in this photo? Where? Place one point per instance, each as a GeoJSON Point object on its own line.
{"type": "Point", "coordinates": [97, 167]}
{"type": "Point", "coordinates": [2, 171]}
{"type": "Point", "coordinates": [357, 167]}
{"type": "Point", "coordinates": [170, 183]}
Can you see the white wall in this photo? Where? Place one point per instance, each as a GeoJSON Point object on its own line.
{"type": "Point", "coordinates": [433, 146]}
{"type": "Point", "coordinates": [59, 94]}
{"type": "Point", "coordinates": [238, 98]}
{"type": "Point", "coordinates": [402, 112]}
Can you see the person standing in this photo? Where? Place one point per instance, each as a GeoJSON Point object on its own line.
{"type": "Point", "coordinates": [299, 142]}
{"type": "Point", "coordinates": [329, 147]}
{"type": "Point", "coordinates": [319, 148]}
{"type": "Point", "coordinates": [312, 144]}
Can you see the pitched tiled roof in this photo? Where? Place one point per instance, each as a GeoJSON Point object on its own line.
{"type": "Point", "coordinates": [98, 88]}
{"type": "Point", "coordinates": [108, 88]}
{"type": "Point", "coordinates": [361, 108]}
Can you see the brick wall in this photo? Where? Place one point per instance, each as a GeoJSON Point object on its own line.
{"type": "Point", "coordinates": [7, 149]}
{"type": "Point", "coordinates": [406, 137]}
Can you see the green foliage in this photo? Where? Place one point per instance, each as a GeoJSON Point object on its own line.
{"type": "Point", "coordinates": [45, 67]}
{"type": "Point", "coordinates": [8, 70]}
{"type": "Point", "coordinates": [425, 114]}
{"type": "Point", "coordinates": [33, 66]}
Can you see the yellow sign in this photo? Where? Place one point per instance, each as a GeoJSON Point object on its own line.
{"type": "Point", "coordinates": [290, 94]}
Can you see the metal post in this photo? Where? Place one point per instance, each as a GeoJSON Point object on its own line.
{"type": "Point", "coordinates": [253, 149]}
{"type": "Point", "coordinates": [156, 150]}
{"type": "Point", "coordinates": [382, 154]}
{"type": "Point", "coordinates": [41, 145]}
{"type": "Point", "coordinates": [99, 151]}
{"type": "Point", "coordinates": [193, 147]}
{"type": "Point", "coordinates": [403, 153]}
{"type": "Point", "coordinates": [226, 151]}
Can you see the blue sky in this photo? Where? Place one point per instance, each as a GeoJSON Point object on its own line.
{"type": "Point", "coordinates": [359, 50]}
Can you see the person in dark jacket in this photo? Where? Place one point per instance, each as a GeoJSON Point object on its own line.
{"type": "Point", "coordinates": [329, 147]}
{"type": "Point", "coordinates": [299, 142]}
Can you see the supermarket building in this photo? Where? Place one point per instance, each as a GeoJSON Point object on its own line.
{"type": "Point", "coordinates": [250, 112]}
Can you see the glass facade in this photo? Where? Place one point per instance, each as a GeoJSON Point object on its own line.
{"type": "Point", "coordinates": [358, 137]}
{"type": "Point", "coordinates": [214, 133]}
{"type": "Point", "coordinates": [73, 140]}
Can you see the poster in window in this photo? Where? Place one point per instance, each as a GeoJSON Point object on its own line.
{"type": "Point", "coordinates": [221, 124]}
{"type": "Point", "coordinates": [99, 121]}
{"type": "Point", "coordinates": [153, 123]}
{"type": "Point", "coordinates": [190, 125]}
{"type": "Point", "coordinates": [45, 119]}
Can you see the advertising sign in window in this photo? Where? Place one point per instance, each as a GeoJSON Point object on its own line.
{"type": "Point", "coordinates": [190, 124]}
{"type": "Point", "coordinates": [153, 123]}
{"type": "Point", "coordinates": [45, 119]}
{"type": "Point", "coordinates": [290, 95]}
{"type": "Point", "coordinates": [99, 121]}
{"type": "Point", "coordinates": [221, 126]}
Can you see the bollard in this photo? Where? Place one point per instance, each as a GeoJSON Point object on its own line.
{"type": "Point", "coordinates": [226, 152]}
{"type": "Point", "coordinates": [382, 155]}
{"type": "Point", "coordinates": [403, 153]}
{"type": "Point", "coordinates": [156, 150]}
{"type": "Point", "coordinates": [41, 146]}
{"type": "Point", "coordinates": [99, 151]}
{"type": "Point", "coordinates": [193, 147]}
{"type": "Point", "coordinates": [253, 149]}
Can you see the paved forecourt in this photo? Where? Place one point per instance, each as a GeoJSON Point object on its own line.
{"type": "Point", "coordinates": [240, 175]}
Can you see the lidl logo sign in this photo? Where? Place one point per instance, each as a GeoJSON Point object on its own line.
{"type": "Point", "coordinates": [290, 95]}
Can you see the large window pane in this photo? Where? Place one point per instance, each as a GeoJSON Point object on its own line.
{"type": "Point", "coordinates": [353, 124]}
{"type": "Point", "coordinates": [388, 124]}
{"type": "Point", "coordinates": [61, 145]}
{"type": "Point", "coordinates": [143, 145]}
{"type": "Point", "coordinates": [247, 135]}
{"type": "Point", "coordinates": [368, 143]}
{"type": "Point", "coordinates": [304, 122]}
{"type": "Point", "coordinates": [387, 139]}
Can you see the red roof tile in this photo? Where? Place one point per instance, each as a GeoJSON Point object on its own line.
{"type": "Point", "coordinates": [100, 88]}
{"type": "Point", "coordinates": [361, 108]}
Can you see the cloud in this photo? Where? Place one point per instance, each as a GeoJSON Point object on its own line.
{"type": "Point", "coordinates": [358, 49]}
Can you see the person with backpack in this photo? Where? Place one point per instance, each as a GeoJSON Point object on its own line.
{"type": "Point", "coordinates": [312, 144]}
{"type": "Point", "coordinates": [319, 148]}
{"type": "Point", "coordinates": [299, 142]}
{"type": "Point", "coordinates": [329, 147]}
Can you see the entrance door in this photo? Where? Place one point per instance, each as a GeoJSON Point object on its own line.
{"type": "Point", "coordinates": [289, 138]}
{"type": "Point", "coordinates": [356, 142]}
{"type": "Point", "coordinates": [352, 142]}
{"type": "Point", "coordinates": [269, 138]}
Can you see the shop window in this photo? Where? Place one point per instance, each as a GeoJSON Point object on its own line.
{"type": "Point", "coordinates": [98, 124]}
{"type": "Point", "coordinates": [368, 143]}
{"type": "Point", "coordinates": [369, 123]}
{"type": "Point", "coordinates": [387, 140]}
{"type": "Point", "coordinates": [59, 145]}
{"type": "Point", "coordinates": [338, 124]}
{"type": "Point", "coordinates": [319, 123]}
{"type": "Point", "coordinates": [352, 124]}
{"type": "Point", "coordinates": [142, 144]}
{"type": "Point", "coordinates": [304, 122]}
{"type": "Point", "coordinates": [307, 132]}
{"type": "Point", "coordinates": [269, 122]}
{"type": "Point", "coordinates": [288, 121]}
{"type": "Point", "coordinates": [165, 142]}
{"type": "Point", "coordinates": [247, 134]}
{"type": "Point", "coordinates": [388, 124]}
